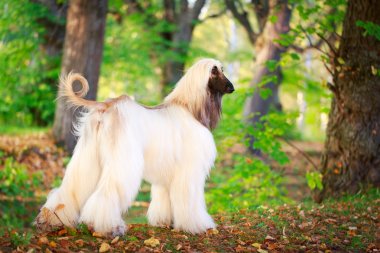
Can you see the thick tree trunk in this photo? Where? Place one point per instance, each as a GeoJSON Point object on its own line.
{"type": "Point", "coordinates": [82, 53]}
{"type": "Point", "coordinates": [352, 149]}
{"type": "Point", "coordinates": [267, 50]}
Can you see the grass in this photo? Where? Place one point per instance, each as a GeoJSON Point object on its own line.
{"type": "Point", "coordinates": [21, 130]}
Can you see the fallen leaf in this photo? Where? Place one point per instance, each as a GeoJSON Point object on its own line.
{"type": "Point", "coordinates": [104, 247]}
{"type": "Point", "coordinates": [178, 247]}
{"type": "Point", "coordinates": [43, 240]}
{"type": "Point", "coordinates": [53, 244]}
{"type": "Point", "coordinates": [115, 240]}
{"type": "Point", "coordinates": [268, 237]}
{"type": "Point", "coordinates": [240, 248]}
{"type": "Point", "coordinates": [48, 250]}
{"type": "Point", "coordinates": [62, 232]}
{"type": "Point", "coordinates": [213, 231]}
{"type": "Point", "coordinates": [79, 242]}
{"type": "Point", "coordinates": [256, 245]}
{"type": "Point", "coordinates": [152, 242]}
{"type": "Point", "coordinates": [262, 251]}
{"type": "Point", "coordinates": [97, 234]}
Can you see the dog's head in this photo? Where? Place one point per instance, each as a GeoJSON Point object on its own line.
{"type": "Point", "coordinates": [218, 82]}
{"type": "Point", "coordinates": [201, 89]}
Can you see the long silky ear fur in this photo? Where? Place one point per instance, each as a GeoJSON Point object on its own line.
{"type": "Point", "coordinates": [75, 99]}
{"type": "Point", "coordinates": [193, 93]}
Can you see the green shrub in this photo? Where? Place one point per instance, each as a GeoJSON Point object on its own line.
{"type": "Point", "coordinates": [15, 181]}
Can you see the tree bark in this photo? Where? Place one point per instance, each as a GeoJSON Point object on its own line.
{"type": "Point", "coordinates": [83, 50]}
{"type": "Point", "coordinates": [185, 20]}
{"type": "Point", "coordinates": [351, 159]}
{"type": "Point", "coordinates": [267, 50]}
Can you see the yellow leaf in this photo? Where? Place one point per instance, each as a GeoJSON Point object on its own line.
{"type": "Point", "coordinates": [97, 234]}
{"type": "Point", "coordinates": [152, 242]}
{"type": "Point", "coordinates": [214, 231]}
{"type": "Point", "coordinates": [262, 251]}
{"type": "Point", "coordinates": [104, 247]}
{"type": "Point", "coordinates": [43, 240]}
{"type": "Point", "coordinates": [178, 247]}
{"type": "Point", "coordinates": [115, 240]}
{"type": "Point", "coordinates": [256, 245]}
{"type": "Point", "coordinates": [53, 244]}
{"type": "Point", "coordinates": [373, 70]}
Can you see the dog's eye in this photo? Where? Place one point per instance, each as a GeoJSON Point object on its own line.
{"type": "Point", "coordinates": [214, 70]}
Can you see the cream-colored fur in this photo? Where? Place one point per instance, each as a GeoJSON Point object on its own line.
{"type": "Point", "coordinates": [120, 143]}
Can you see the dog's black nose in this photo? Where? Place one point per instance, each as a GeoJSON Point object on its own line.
{"type": "Point", "coordinates": [230, 87]}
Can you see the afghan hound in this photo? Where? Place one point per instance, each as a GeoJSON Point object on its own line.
{"type": "Point", "coordinates": [122, 142]}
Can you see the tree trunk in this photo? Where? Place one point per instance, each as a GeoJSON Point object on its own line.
{"type": "Point", "coordinates": [185, 20]}
{"type": "Point", "coordinates": [83, 50]}
{"type": "Point", "coordinates": [267, 50]}
{"type": "Point", "coordinates": [351, 158]}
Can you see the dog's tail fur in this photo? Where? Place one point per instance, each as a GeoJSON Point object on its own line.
{"type": "Point", "coordinates": [75, 98]}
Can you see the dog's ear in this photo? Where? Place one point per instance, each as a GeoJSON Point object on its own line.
{"type": "Point", "coordinates": [218, 82]}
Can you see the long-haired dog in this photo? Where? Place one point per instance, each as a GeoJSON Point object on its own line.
{"type": "Point", "coordinates": [122, 142]}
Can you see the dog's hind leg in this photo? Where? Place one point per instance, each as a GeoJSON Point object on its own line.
{"type": "Point", "coordinates": [159, 212]}
{"type": "Point", "coordinates": [122, 164]}
{"type": "Point", "coordinates": [64, 203]}
{"type": "Point", "coordinates": [188, 203]}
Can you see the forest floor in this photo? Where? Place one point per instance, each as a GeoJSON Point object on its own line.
{"type": "Point", "coordinates": [349, 224]}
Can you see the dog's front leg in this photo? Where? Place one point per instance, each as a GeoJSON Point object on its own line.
{"type": "Point", "coordinates": [188, 203]}
{"type": "Point", "coordinates": [122, 166]}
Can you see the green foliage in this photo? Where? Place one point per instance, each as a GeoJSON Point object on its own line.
{"type": "Point", "coordinates": [26, 96]}
{"type": "Point", "coordinates": [248, 182]}
{"type": "Point", "coordinates": [267, 132]}
{"type": "Point", "coordinates": [15, 181]}
{"type": "Point", "coordinates": [314, 180]}
{"type": "Point", "coordinates": [369, 28]}
{"type": "Point", "coordinates": [20, 239]}
{"type": "Point", "coordinates": [251, 183]}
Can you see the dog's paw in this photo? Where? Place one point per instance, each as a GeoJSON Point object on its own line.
{"type": "Point", "coordinates": [47, 220]}
{"type": "Point", "coordinates": [119, 231]}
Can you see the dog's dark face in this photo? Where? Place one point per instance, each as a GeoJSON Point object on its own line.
{"type": "Point", "coordinates": [218, 82]}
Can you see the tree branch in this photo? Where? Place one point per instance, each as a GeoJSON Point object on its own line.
{"type": "Point", "coordinates": [261, 9]}
{"type": "Point", "coordinates": [215, 15]}
{"type": "Point", "coordinates": [197, 8]}
{"type": "Point", "coordinates": [302, 153]}
{"type": "Point", "coordinates": [243, 20]}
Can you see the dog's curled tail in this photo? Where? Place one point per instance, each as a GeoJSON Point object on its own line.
{"type": "Point", "coordinates": [75, 98]}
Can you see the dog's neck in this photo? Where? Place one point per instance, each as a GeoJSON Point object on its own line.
{"type": "Point", "coordinates": [209, 113]}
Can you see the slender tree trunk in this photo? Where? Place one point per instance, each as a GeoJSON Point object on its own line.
{"type": "Point", "coordinates": [185, 20]}
{"type": "Point", "coordinates": [83, 50]}
{"type": "Point", "coordinates": [267, 50]}
{"type": "Point", "coordinates": [352, 149]}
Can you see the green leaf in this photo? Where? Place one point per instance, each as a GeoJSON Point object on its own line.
{"type": "Point", "coordinates": [369, 28]}
{"type": "Point", "coordinates": [271, 65]}
{"type": "Point", "coordinates": [295, 56]}
{"type": "Point", "coordinates": [273, 19]}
